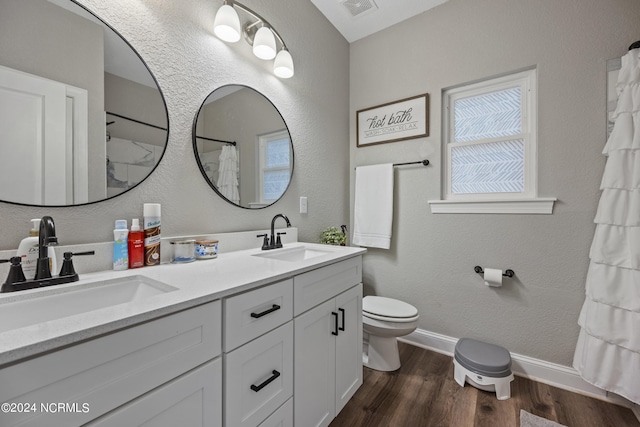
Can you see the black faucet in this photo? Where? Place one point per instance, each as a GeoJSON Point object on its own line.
{"type": "Point", "coordinates": [276, 243]}
{"type": "Point", "coordinates": [46, 237]}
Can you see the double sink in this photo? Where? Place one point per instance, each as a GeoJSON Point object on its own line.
{"type": "Point", "coordinates": [27, 308]}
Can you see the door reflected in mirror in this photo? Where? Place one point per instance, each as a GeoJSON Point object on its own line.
{"type": "Point", "coordinates": [243, 147]}
{"type": "Point", "coordinates": [81, 117]}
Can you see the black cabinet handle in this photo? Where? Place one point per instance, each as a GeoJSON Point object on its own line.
{"type": "Point", "coordinates": [342, 312]}
{"type": "Point", "coordinates": [257, 388]}
{"type": "Point", "coordinates": [264, 313]}
{"type": "Point", "coordinates": [335, 315]}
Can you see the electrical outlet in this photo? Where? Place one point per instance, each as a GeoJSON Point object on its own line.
{"type": "Point", "coordinates": [303, 205]}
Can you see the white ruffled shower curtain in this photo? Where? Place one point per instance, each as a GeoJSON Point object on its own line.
{"type": "Point", "coordinates": [608, 350]}
{"type": "Point", "coordinates": [228, 170]}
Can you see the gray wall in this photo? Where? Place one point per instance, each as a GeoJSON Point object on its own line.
{"type": "Point", "coordinates": [176, 40]}
{"type": "Point", "coordinates": [430, 263]}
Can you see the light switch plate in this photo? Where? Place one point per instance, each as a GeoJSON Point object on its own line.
{"type": "Point", "coordinates": [303, 205]}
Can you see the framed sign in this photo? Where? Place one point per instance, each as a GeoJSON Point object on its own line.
{"type": "Point", "coordinates": [395, 121]}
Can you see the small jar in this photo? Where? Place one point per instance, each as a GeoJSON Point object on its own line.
{"type": "Point", "coordinates": [206, 249]}
{"type": "Point", "coordinates": [183, 251]}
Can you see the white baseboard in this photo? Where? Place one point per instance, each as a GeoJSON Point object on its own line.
{"type": "Point", "coordinates": [560, 376]}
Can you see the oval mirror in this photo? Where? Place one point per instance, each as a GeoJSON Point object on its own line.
{"type": "Point", "coordinates": [243, 147]}
{"type": "Point", "coordinates": [81, 117]}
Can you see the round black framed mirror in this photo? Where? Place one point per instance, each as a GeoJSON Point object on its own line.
{"type": "Point", "coordinates": [82, 117]}
{"type": "Point", "coordinates": [243, 147]}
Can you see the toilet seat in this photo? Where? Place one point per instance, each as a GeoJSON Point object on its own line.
{"type": "Point", "coordinates": [388, 310]}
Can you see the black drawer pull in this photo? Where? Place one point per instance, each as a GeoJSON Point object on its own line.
{"type": "Point", "coordinates": [335, 316]}
{"type": "Point", "coordinates": [256, 388]}
{"type": "Point", "coordinates": [342, 312]}
{"type": "Point", "coordinates": [264, 313]}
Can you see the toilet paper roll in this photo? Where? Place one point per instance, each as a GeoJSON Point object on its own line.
{"type": "Point", "coordinates": [493, 277]}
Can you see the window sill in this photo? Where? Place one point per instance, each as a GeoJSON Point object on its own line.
{"type": "Point", "coordinates": [541, 205]}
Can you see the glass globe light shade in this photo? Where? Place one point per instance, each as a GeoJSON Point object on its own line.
{"type": "Point", "coordinates": [264, 44]}
{"type": "Point", "coordinates": [227, 24]}
{"type": "Point", "coordinates": [283, 65]}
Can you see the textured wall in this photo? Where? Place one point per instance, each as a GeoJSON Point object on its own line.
{"type": "Point", "coordinates": [430, 263]}
{"type": "Point", "coordinates": [175, 39]}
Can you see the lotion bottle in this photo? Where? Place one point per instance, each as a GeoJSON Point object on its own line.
{"type": "Point", "coordinates": [120, 243]}
{"type": "Point", "coordinates": [28, 251]}
{"type": "Point", "coordinates": [136, 245]}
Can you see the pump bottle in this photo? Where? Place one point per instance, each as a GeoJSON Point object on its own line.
{"type": "Point", "coordinates": [28, 251]}
{"type": "Point", "coordinates": [136, 245]}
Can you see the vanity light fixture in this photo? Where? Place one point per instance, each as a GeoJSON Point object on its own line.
{"type": "Point", "coordinates": [257, 32]}
{"type": "Point", "coordinates": [227, 24]}
{"type": "Point", "coordinates": [264, 44]}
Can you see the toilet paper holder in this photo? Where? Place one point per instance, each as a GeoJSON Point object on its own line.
{"type": "Point", "coordinates": [507, 273]}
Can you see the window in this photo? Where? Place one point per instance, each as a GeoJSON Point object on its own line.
{"type": "Point", "coordinates": [275, 165]}
{"type": "Point", "coordinates": [489, 147]}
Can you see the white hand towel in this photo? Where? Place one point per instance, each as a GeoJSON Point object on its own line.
{"type": "Point", "coordinates": [373, 210]}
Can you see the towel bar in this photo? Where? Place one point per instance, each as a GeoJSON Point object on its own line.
{"type": "Point", "coordinates": [424, 162]}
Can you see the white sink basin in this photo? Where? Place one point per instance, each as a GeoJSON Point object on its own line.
{"type": "Point", "coordinates": [17, 311]}
{"type": "Point", "coordinates": [298, 253]}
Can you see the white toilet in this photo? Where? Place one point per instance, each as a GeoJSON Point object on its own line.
{"type": "Point", "coordinates": [384, 319]}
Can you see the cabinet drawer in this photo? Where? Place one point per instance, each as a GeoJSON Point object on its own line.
{"type": "Point", "coordinates": [193, 399]}
{"type": "Point", "coordinates": [283, 417]}
{"type": "Point", "coordinates": [258, 377]}
{"type": "Point", "coordinates": [107, 372]}
{"type": "Point", "coordinates": [317, 286]}
{"type": "Point", "coordinates": [249, 315]}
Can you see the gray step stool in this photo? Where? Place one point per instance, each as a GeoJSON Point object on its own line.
{"type": "Point", "coordinates": [484, 366]}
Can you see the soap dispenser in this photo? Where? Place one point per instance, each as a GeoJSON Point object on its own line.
{"type": "Point", "coordinates": [28, 251]}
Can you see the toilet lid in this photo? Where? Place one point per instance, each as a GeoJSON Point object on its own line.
{"type": "Point", "coordinates": [388, 307]}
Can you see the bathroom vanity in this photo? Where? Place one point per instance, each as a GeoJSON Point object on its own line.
{"type": "Point", "coordinates": [253, 338]}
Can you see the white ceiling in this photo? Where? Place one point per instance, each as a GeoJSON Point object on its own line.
{"type": "Point", "coordinates": [371, 16]}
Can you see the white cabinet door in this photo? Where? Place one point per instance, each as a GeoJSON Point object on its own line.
{"type": "Point", "coordinates": [33, 116]}
{"type": "Point", "coordinates": [194, 400]}
{"type": "Point", "coordinates": [314, 402]}
{"type": "Point", "coordinates": [348, 345]}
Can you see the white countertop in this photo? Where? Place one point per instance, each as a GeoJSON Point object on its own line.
{"type": "Point", "coordinates": [197, 282]}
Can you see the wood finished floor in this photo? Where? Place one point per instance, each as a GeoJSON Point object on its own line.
{"type": "Point", "coordinates": [423, 393]}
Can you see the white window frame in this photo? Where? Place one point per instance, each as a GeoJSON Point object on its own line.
{"type": "Point", "coordinates": [263, 140]}
{"type": "Point", "coordinates": [521, 202]}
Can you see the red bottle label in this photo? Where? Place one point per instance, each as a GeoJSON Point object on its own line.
{"type": "Point", "coordinates": [136, 249]}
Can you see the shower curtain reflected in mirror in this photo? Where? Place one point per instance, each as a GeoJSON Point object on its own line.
{"type": "Point", "coordinates": [227, 181]}
{"type": "Point", "coordinates": [608, 350]}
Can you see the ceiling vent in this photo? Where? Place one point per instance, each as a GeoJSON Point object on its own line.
{"type": "Point", "coordinates": [359, 7]}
